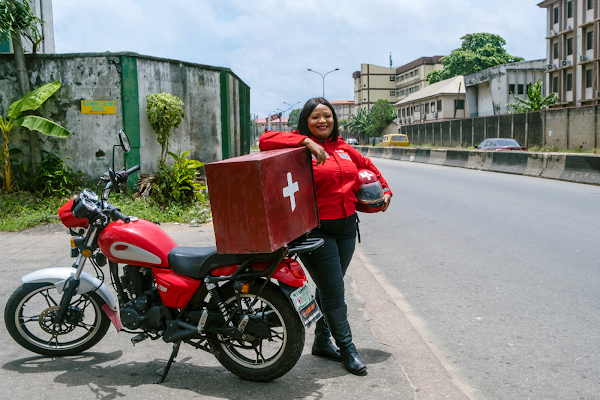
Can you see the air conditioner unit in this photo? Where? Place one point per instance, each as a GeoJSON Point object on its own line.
{"type": "Point", "coordinates": [408, 120]}
{"type": "Point", "coordinates": [569, 27]}
{"type": "Point", "coordinates": [550, 67]}
{"type": "Point", "coordinates": [552, 32]}
{"type": "Point", "coordinates": [598, 93]}
{"type": "Point", "coordinates": [435, 115]}
{"type": "Point", "coordinates": [423, 117]}
{"type": "Point", "coordinates": [583, 58]}
{"type": "Point", "coordinates": [565, 63]}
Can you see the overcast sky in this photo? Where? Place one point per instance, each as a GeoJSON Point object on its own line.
{"type": "Point", "coordinates": [270, 44]}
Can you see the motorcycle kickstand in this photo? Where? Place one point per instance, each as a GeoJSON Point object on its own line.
{"type": "Point", "coordinates": [165, 369]}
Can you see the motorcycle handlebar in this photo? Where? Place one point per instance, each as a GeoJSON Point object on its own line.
{"type": "Point", "coordinates": [132, 170]}
{"type": "Point", "coordinates": [117, 214]}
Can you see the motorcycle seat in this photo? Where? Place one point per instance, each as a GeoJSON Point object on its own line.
{"type": "Point", "coordinates": [196, 262]}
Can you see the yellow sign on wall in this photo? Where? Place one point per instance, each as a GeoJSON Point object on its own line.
{"type": "Point", "coordinates": [97, 107]}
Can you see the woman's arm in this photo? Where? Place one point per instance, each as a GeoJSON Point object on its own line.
{"type": "Point", "coordinates": [271, 140]}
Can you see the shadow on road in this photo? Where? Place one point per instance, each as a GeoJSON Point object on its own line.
{"type": "Point", "coordinates": [104, 375]}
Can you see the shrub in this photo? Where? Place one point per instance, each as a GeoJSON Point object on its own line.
{"type": "Point", "coordinates": [164, 113]}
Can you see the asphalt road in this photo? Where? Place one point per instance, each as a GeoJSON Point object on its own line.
{"type": "Point", "coordinates": [500, 273]}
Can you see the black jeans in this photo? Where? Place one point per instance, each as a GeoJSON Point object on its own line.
{"type": "Point", "coordinates": [327, 265]}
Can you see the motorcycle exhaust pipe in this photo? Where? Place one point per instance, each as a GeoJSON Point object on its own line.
{"type": "Point", "coordinates": [179, 330]}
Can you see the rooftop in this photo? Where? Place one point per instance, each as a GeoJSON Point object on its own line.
{"type": "Point", "coordinates": [449, 86]}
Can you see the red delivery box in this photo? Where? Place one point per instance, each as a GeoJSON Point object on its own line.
{"type": "Point", "coordinates": [262, 201]}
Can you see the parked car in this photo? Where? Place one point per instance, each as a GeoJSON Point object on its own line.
{"type": "Point", "coordinates": [353, 142]}
{"type": "Point", "coordinates": [396, 139]}
{"type": "Point", "coordinates": [500, 144]}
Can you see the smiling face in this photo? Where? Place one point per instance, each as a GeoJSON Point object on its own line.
{"type": "Point", "coordinates": [320, 122]}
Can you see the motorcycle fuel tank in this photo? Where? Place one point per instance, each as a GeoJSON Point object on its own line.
{"type": "Point", "coordinates": [138, 242]}
{"type": "Point", "coordinates": [262, 201]}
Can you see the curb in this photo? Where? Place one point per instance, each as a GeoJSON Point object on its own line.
{"type": "Point", "coordinates": [578, 168]}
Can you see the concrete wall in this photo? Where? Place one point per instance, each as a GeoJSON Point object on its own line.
{"type": "Point", "coordinates": [217, 111]}
{"type": "Point", "coordinates": [567, 129]}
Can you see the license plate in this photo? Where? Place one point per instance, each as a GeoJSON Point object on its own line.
{"type": "Point", "coordinates": [306, 305]}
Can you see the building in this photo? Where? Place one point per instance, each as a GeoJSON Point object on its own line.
{"type": "Point", "coordinates": [412, 77]}
{"type": "Point", "coordinates": [373, 83]}
{"type": "Point", "coordinates": [43, 10]}
{"type": "Point", "coordinates": [572, 51]}
{"type": "Point", "coordinates": [345, 109]}
{"type": "Point", "coordinates": [437, 102]}
{"type": "Point", "coordinates": [489, 91]}
{"type": "Point", "coordinates": [262, 125]}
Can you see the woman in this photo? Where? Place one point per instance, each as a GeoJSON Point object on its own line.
{"type": "Point", "coordinates": [335, 167]}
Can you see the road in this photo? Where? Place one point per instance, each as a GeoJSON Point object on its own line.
{"type": "Point", "coordinates": [498, 272]}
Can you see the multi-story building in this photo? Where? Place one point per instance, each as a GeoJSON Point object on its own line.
{"type": "Point", "coordinates": [437, 102]}
{"type": "Point", "coordinates": [573, 51]}
{"type": "Point", "coordinates": [373, 83]}
{"type": "Point", "coordinates": [43, 10]}
{"type": "Point", "coordinates": [345, 109]}
{"type": "Point", "coordinates": [262, 124]}
{"type": "Point", "coordinates": [412, 77]}
{"type": "Point", "coordinates": [491, 90]}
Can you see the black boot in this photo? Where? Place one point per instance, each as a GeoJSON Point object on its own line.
{"type": "Point", "coordinates": [322, 346]}
{"type": "Point", "coordinates": [340, 330]}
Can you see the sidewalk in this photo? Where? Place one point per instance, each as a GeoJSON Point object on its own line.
{"type": "Point", "coordinates": [401, 365]}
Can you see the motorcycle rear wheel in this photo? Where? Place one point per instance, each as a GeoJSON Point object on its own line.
{"type": "Point", "coordinates": [271, 358]}
{"type": "Point", "coordinates": [29, 313]}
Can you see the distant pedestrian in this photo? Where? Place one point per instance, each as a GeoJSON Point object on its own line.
{"type": "Point", "coordinates": [335, 167]}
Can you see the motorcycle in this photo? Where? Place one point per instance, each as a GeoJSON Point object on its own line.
{"type": "Point", "coordinates": [248, 310]}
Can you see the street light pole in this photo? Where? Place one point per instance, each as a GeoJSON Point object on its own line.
{"type": "Point", "coordinates": [323, 76]}
{"type": "Point", "coordinates": [291, 107]}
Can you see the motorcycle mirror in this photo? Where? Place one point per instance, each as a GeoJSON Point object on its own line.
{"type": "Point", "coordinates": [124, 141]}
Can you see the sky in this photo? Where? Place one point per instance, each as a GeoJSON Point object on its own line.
{"type": "Point", "coordinates": [270, 44]}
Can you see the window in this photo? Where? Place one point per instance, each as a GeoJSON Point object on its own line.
{"type": "Point", "coordinates": [570, 46]}
{"type": "Point", "coordinates": [555, 84]}
{"type": "Point", "coordinates": [433, 107]}
{"type": "Point", "coordinates": [555, 50]}
{"type": "Point", "coordinates": [570, 9]}
{"type": "Point", "coordinates": [590, 4]}
{"type": "Point", "coordinates": [426, 108]}
{"type": "Point", "coordinates": [459, 104]}
{"type": "Point", "coordinates": [589, 78]}
{"type": "Point", "coordinates": [569, 82]}
{"type": "Point", "coordinates": [520, 89]}
{"type": "Point", "coordinates": [556, 15]}
{"type": "Point", "coordinates": [410, 90]}
{"type": "Point", "coordinates": [589, 40]}
{"type": "Point", "coordinates": [392, 79]}
{"type": "Point", "coordinates": [392, 93]}
{"type": "Point", "coordinates": [527, 87]}
{"type": "Point", "coordinates": [511, 89]}
{"type": "Point", "coordinates": [404, 112]}
{"type": "Point", "coordinates": [439, 105]}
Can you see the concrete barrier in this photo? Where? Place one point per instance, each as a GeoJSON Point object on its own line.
{"type": "Point", "coordinates": [582, 168]}
{"type": "Point", "coordinates": [535, 164]}
{"type": "Point", "coordinates": [554, 165]}
{"type": "Point", "coordinates": [509, 162]}
{"type": "Point", "coordinates": [422, 155]}
{"type": "Point", "coordinates": [437, 157]}
{"type": "Point", "coordinates": [457, 158]}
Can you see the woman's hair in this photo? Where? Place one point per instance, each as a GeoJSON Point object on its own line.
{"type": "Point", "coordinates": [308, 109]}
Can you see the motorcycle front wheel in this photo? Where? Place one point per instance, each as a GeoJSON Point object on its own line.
{"type": "Point", "coordinates": [266, 359]}
{"type": "Point", "coordinates": [29, 318]}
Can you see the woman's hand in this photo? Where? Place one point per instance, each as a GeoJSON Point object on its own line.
{"type": "Point", "coordinates": [315, 149]}
{"type": "Point", "coordinates": [386, 201]}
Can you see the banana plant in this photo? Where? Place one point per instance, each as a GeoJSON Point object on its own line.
{"type": "Point", "coordinates": [31, 101]}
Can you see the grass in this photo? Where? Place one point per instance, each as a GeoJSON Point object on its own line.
{"type": "Point", "coordinates": [23, 210]}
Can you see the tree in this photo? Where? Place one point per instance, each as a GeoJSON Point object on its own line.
{"type": "Point", "coordinates": [359, 123]}
{"type": "Point", "coordinates": [164, 113]}
{"type": "Point", "coordinates": [31, 101]}
{"type": "Point", "coordinates": [534, 102]}
{"type": "Point", "coordinates": [382, 114]}
{"type": "Point", "coordinates": [293, 118]}
{"type": "Point", "coordinates": [478, 51]}
{"type": "Point", "coordinates": [16, 18]}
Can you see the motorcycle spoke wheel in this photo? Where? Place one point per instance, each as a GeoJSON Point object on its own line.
{"type": "Point", "coordinates": [30, 319]}
{"type": "Point", "coordinates": [267, 358]}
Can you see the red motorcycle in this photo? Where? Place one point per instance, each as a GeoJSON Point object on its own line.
{"type": "Point", "coordinates": [249, 311]}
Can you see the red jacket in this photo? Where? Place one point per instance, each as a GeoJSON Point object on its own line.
{"type": "Point", "coordinates": [336, 181]}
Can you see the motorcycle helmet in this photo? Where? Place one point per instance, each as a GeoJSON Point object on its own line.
{"type": "Point", "coordinates": [370, 192]}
